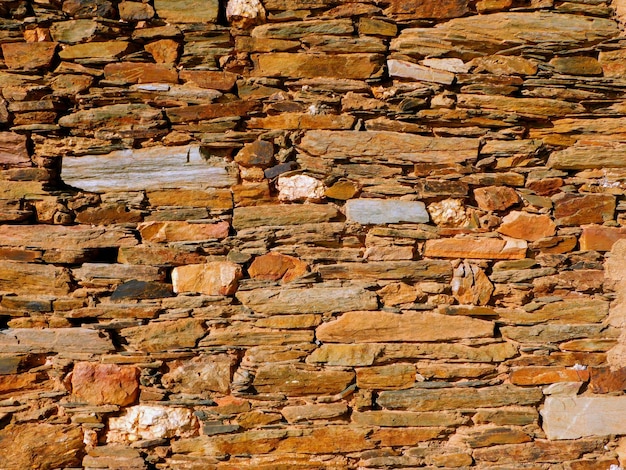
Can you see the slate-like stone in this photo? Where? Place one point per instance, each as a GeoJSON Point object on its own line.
{"type": "Point", "coordinates": [138, 72]}
{"type": "Point", "coordinates": [152, 168]}
{"type": "Point", "coordinates": [423, 399]}
{"type": "Point", "coordinates": [139, 290]}
{"type": "Point", "coordinates": [151, 422]}
{"type": "Point", "coordinates": [423, 270]}
{"type": "Point", "coordinates": [577, 209]}
{"type": "Point", "coordinates": [379, 327]}
{"type": "Point", "coordinates": [388, 147]}
{"type": "Point", "coordinates": [284, 64]}
{"type": "Point", "coordinates": [383, 211]}
{"type": "Point", "coordinates": [28, 55]}
{"type": "Point", "coordinates": [213, 278]}
{"type": "Point", "coordinates": [187, 11]}
{"type": "Point", "coordinates": [13, 150]}
{"type": "Point", "coordinates": [313, 300]}
{"type": "Point", "coordinates": [163, 336]}
{"type": "Point", "coordinates": [292, 214]}
{"type": "Point", "coordinates": [465, 247]}
{"type": "Point", "coordinates": [105, 384]}
{"type": "Point", "coordinates": [54, 340]}
{"type": "Point", "coordinates": [298, 381]}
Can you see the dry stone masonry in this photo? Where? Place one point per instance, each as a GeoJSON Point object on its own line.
{"type": "Point", "coordinates": [312, 234]}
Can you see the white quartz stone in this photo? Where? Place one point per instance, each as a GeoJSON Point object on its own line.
{"type": "Point", "coordinates": [575, 417]}
{"type": "Point", "coordinates": [151, 422]}
{"type": "Point", "coordinates": [300, 188]}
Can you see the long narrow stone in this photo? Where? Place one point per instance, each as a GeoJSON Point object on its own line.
{"type": "Point", "coordinates": [385, 211]}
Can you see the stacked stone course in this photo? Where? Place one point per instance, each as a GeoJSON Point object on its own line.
{"type": "Point", "coordinates": [312, 234]}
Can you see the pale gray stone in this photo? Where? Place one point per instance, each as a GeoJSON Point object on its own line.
{"type": "Point", "coordinates": [58, 340]}
{"type": "Point", "coordinates": [575, 417]}
{"type": "Point", "coordinates": [152, 168]}
{"type": "Point", "coordinates": [385, 211]}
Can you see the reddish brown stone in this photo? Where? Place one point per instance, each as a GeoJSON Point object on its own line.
{"type": "Point", "coordinates": [465, 247]}
{"type": "Point", "coordinates": [13, 150]}
{"type": "Point", "coordinates": [105, 384]}
{"type": "Point", "coordinates": [605, 380]}
{"type": "Point", "coordinates": [140, 72]}
{"type": "Point", "coordinates": [108, 214]}
{"type": "Point", "coordinates": [223, 81]}
{"type": "Point", "coordinates": [214, 278]}
{"type": "Point", "coordinates": [545, 187]}
{"type": "Point", "coordinates": [420, 9]}
{"type": "Point", "coordinates": [576, 209]}
{"type": "Point", "coordinates": [28, 55]}
{"type": "Point", "coordinates": [495, 198]}
{"type": "Point", "coordinates": [259, 153]}
{"type": "Point", "coordinates": [547, 375]}
{"type": "Point", "coordinates": [274, 266]}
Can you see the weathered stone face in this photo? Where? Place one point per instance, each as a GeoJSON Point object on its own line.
{"type": "Point", "coordinates": [312, 234]}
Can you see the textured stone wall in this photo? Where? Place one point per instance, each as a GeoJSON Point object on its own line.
{"type": "Point", "coordinates": [312, 234]}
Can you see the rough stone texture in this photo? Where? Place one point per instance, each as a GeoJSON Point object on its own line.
{"type": "Point", "coordinates": [312, 234]}
{"type": "Point", "coordinates": [216, 278]}
{"type": "Point", "coordinates": [105, 384]}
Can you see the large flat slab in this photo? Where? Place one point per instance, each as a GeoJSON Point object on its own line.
{"type": "Point", "coordinates": [389, 146]}
{"type": "Point", "coordinates": [575, 417]}
{"type": "Point", "coordinates": [181, 167]}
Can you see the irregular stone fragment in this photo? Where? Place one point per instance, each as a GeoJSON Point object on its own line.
{"type": "Point", "coordinates": [387, 146]}
{"type": "Point", "coordinates": [73, 31]}
{"type": "Point", "coordinates": [300, 188]}
{"type": "Point", "coordinates": [251, 217]}
{"type": "Point", "coordinates": [526, 226]}
{"type": "Point", "coordinates": [312, 300]}
{"type": "Point", "coordinates": [135, 11]}
{"type": "Point", "coordinates": [612, 63]}
{"type": "Point", "coordinates": [283, 64]}
{"type": "Point", "coordinates": [13, 150]}
{"type": "Point", "coordinates": [138, 72]}
{"type": "Point", "coordinates": [57, 237]}
{"type": "Point", "coordinates": [398, 293]}
{"type": "Point", "coordinates": [600, 238]}
{"type": "Point", "coordinates": [199, 375]}
{"type": "Point", "coordinates": [298, 381]}
{"type": "Point", "coordinates": [244, 13]}
{"type": "Point", "coordinates": [259, 153]}
{"type": "Point", "coordinates": [376, 327]}
{"type": "Point", "coordinates": [176, 231]}
{"type": "Point", "coordinates": [114, 272]}
{"type": "Point", "coordinates": [504, 65]}
{"type": "Point", "coordinates": [163, 336]}
{"type": "Point", "coordinates": [274, 266]}
{"type": "Point", "coordinates": [345, 354]}
{"type": "Point", "coordinates": [485, 437]}
{"type": "Point", "coordinates": [28, 55]}
{"type": "Point", "coordinates": [213, 278]}
{"type": "Point", "coordinates": [105, 384]}
{"type": "Point", "coordinates": [143, 422]}
{"type": "Point", "coordinates": [41, 446]}
{"type": "Point", "coordinates": [421, 399]}
{"type": "Point", "coordinates": [342, 190]}
{"type": "Point", "coordinates": [465, 247]}
{"type": "Point", "coordinates": [187, 11]}
{"type": "Point", "coordinates": [448, 213]}
{"type": "Point", "coordinates": [470, 285]}
{"type": "Point", "coordinates": [295, 414]}
{"type": "Point", "coordinates": [578, 209]}
{"type": "Point", "coordinates": [404, 69]}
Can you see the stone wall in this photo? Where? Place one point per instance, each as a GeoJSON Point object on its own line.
{"type": "Point", "coordinates": [312, 234]}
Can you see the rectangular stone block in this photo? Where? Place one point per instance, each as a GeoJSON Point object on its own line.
{"type": "Point", "coordinates": [151, 168]}
{"type": "Point", "coordinates": [58, 236]}
{"type": "Point", "coordinates": [575, 417]}
{"type": "Point", "coordinates": [13, 150]}
{"type": "Point", "coordinates": [385, 211]}
{"type": "Point", "coordinates": [293, 214]}
{"type": "Point", "coordinates": [479, 248]}
{"type": "Point", "coordinates": [423, 270]}
{"type": "Point", "coordinates": [387, 146]}
{"type": "Point", "coordinates": [312, 300]}
{"type": "Point", "coordinates": [297, 65]}
{"type": "Point", "coordinates": [56, 340]}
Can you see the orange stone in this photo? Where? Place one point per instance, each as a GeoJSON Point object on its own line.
{"type": "Point", "coordinates": [495, 198]}
{"type": "Point", "coordinates": [547, 375]}
{"type": "Point", "coordinates": [139, 72]}
{"type": "Point", "coordinates": [164, 51]}
{"type": "Point", "coordinates": [105, 384]}
{"type": "Point", "coordinates": [274, 266]}
{"type": "Point", "coordinates": [527, 226]}
{"type": "Point", "coordinates": [179, 231]}
{"type": "Point", "coordinates": [28, 55]}
{"type": "Point", "coordinates": [600, 238]}
{"type": "Point", "coordinates": [223, 81]}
